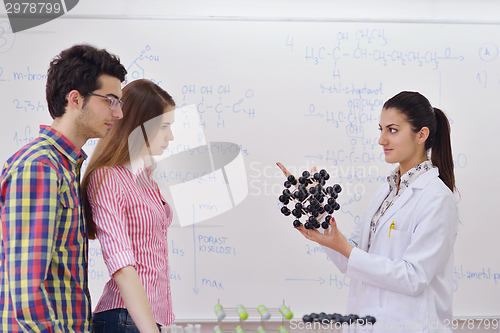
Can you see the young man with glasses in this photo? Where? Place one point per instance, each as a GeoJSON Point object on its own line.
{"type": "Point", "coordinates": [43, 235]}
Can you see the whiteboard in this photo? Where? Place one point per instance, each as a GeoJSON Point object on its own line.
{"type": "Point", "coordinates": [304, 94]}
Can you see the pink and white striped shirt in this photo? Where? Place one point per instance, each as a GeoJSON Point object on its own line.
{"type": "Point", "coordinates": [132, 218]}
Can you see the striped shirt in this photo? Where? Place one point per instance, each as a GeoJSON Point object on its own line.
{"type": "Point", "coordinates": [44, 245]}
{"type": "Point", "coordinates": [132, 218]}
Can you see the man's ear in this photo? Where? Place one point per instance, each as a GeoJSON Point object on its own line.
{"type": "Point", "coordinates": [75, 99]}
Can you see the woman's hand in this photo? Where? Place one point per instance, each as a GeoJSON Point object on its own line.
{"type": "Point", "coordinates": [287, 173]}
{"type": "Point", "coordinates": [135, 299]}
{"type": "Point", "coordinates": [331, 238]}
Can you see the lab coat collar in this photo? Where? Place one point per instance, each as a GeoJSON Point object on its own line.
{"type": "Point", "coordinates": [421, 182]}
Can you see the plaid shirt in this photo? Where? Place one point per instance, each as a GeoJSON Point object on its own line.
{"type": "Point", "coordinates": [44, 244]}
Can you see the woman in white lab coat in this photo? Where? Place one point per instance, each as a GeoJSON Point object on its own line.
{"type": "Point", "coordinates": [400, 256]}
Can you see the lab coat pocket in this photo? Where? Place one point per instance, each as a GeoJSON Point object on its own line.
{"type": "Point", "coordinates": [397, 244]}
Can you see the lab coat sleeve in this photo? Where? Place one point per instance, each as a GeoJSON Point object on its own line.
{"type": "Point", "coordinates": [354, 239]}
{"type": "Point", "coordinates": [338, 259]}
{"type": "Point", "coordinates": [430, 247]}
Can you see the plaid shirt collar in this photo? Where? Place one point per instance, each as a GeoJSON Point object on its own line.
{"type": "Point", "coordinates": [66, 147]}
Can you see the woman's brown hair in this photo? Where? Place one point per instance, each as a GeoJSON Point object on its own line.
{"type": "Point", "coordinates": [143, 100]}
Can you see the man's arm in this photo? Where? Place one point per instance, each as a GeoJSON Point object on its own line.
{"type": "Point", "coordinates": [29, 226]}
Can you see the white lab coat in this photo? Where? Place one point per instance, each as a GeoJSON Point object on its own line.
{"type": "Point", "coordinates": [406, 280]}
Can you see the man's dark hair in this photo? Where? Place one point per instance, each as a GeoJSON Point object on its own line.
{"type": "Point", "coordinates": [79, 67]}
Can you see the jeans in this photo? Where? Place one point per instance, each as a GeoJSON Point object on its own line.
{"type": "Point", "coordinates": [114, 321]}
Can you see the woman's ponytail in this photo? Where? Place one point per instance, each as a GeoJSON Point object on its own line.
{"type": "Point", "coordinates": [441, 155]}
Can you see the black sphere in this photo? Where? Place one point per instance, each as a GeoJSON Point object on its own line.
{"type": "Point", "coordinates": [361, 321]}
{"type": "Point", "coordinates": [285, 210]}
{"type": "Point", "coordinates": [353, 318]}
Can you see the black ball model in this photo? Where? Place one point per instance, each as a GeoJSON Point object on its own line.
{"type": "Point", "coordinates": [313, 201]}
{"type": "Point", "coordinates": [338, 318]}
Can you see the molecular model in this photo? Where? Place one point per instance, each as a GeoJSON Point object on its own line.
{"type": "Point", "coordinates": [312, 199]}
{"type": "Point", "coordinates": [336, 318]}
{"type": "Point", "coordinates": [258, 317]}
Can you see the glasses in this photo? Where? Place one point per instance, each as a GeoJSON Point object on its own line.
{"type": "Point", "coordinates": [113, 101]}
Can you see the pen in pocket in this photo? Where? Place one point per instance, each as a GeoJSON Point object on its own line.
{"type": "Point", "coordinates": [393, 226]}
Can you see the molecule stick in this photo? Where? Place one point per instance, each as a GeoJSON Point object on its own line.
{"type": "Point", "coordinates": [242, 312]}
{"type": "Point", "coordinates": [219, 311]}
{"type": "Point", "coordinates": [285, 311]}
{"type": "Point", "coordinates": [264, 313]}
